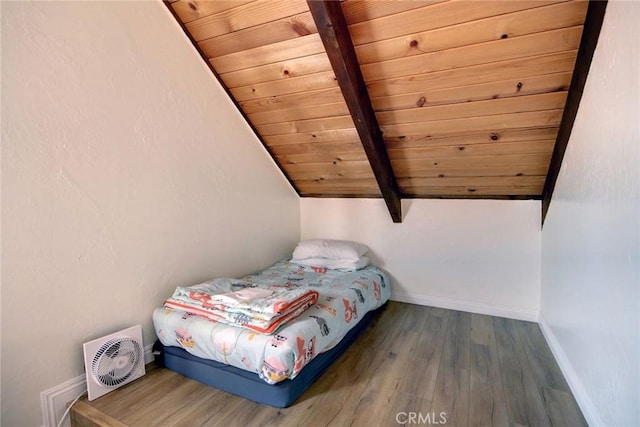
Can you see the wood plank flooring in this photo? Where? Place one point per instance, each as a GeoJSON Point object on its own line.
{"type": "Point", "coordinates": [414, 366]}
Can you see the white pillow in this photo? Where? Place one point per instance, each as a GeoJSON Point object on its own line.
{"type": "Point", "coordinates": [334, 264]}
{"type": "Point", "coordinates": [331, 249]}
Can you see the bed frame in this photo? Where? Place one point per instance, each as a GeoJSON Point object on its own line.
{"type": "Point", "coordinates": [248, 384]}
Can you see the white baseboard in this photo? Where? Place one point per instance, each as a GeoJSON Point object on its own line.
{"type": "Point", "coordinates": [585, 403]}
{"type": "Point", "coordinates": [464, 305]}
{"type": "Point", "coordinates": [54, 401]}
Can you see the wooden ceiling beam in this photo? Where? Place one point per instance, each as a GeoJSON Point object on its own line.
{"type": "Point", "coordinates": [335, 36]}
{"type": "Point", "coordinates": [588, 43]}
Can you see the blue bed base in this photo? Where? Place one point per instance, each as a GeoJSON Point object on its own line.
{"type": "Point", "coordinates": [248, 384]}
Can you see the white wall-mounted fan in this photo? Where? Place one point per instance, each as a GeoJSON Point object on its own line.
{"type": "Point", "coordinates": [113, 361]}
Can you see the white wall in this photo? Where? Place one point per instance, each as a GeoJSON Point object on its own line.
{"type": "Point", "coordinates": [590, 300]}
{"type": "Point", "coordinates": [125, 173]}
{"type": "Point", "coordinates": [0, 225]}
{"type": "Point", "coordinates": [475, 255]}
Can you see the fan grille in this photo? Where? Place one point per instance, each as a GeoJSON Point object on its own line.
{"type": "Point", "coordinates": [116, 361]}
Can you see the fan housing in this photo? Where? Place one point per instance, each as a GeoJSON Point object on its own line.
{"type": "Point", "coordinates": [113, 361]}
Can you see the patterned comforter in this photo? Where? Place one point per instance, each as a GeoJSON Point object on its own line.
{"type": "Point", "coordinates": [258, 307]}
{"type": "Point", "coordinates": [344, 297]}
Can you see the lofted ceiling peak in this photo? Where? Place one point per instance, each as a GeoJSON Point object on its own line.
{"type": "Point", "coordinates": [404, 99]}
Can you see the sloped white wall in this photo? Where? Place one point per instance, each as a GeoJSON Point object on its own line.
{"type": "Point", "coordinates": [590, 300]}
{"type": "Point", "coordinates": [475, 255]}
{"type": "Point", "coordinates": [125, 173]}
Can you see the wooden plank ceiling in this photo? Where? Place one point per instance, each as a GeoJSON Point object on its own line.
{"type": "Point", "coordinates": [468, 95]}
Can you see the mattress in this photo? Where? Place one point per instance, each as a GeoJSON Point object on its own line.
{"type": "Point", "coordinates": [249, 385]}
{"type": "Point", "coordinates": [344, 300]}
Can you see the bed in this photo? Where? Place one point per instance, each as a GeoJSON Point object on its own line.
{"type": "Point", "coordinates": [274, 368]}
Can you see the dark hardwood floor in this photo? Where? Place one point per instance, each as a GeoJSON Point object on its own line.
{"type": "Point", "coordinates": [414, 366]}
